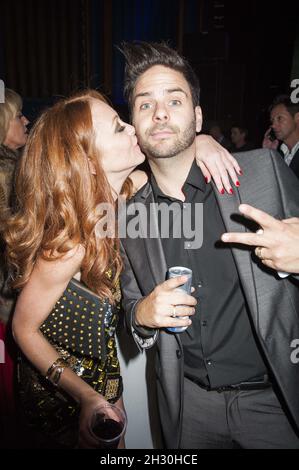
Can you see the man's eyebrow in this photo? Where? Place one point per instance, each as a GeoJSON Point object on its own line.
{"type": "Point", "coordinates": [168, 90]}
{"type": "Point", "coordinates": [140, 95]}
{"type": "Point", "coordinates": [175, 90]}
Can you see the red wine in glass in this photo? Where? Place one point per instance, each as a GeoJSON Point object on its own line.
{"type": "Point", "coordinates": [108, 425]}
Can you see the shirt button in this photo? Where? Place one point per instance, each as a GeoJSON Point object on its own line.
{"type": "Point", "coordinates": [188, 245]}
{"type": "Point", "coordinates": [199, 284]}
{"type": "Point", "coordinates": [209, 362]}
{"type": "Point", "coordinates": [185, 206]}
{"type": "Point", "coordinates": [204, 323]}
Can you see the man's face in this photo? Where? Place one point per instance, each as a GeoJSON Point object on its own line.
{"type": "Point", "coordinates": [283, 123]}
{"type": "Point", "coordinates": [237, 136]}
{"type": "Point", "coordinates": [163, 113]}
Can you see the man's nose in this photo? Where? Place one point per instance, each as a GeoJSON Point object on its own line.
{"type": "Point", "coordinates": [161, 113]}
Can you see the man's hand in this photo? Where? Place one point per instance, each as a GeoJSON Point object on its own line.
{"type": "Point", "coordinates": [268, 143]}
{"type": "Point", "coordinates": [278, 241]}
{"type": "Point", "coordinates": [217, 163]}
{"type": "Point", "coordinates": [157, 309]}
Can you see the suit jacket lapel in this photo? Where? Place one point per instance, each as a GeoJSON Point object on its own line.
{"type": "Point", "coordinates": [228, 205]}
{"type": "Point", "coordinates": [152, 244]}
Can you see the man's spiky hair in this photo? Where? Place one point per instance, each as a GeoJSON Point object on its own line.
{"type": "Point", "coordinates": [140, 56]}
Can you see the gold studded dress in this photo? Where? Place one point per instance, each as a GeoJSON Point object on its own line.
{"type": "Point", "coordinates": [82, 329]}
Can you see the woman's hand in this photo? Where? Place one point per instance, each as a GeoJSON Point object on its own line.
{"type": "Point", "coordinates": [217, 163]}
{"type": "Point", "coordinates": [89, 403]}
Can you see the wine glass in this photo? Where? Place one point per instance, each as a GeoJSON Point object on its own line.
{"type": "Point", "coordinates": [108, 425]}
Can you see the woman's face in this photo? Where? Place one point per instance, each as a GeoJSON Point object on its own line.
{"type": "Point", "coordinates": [115, 140]}
{"type": "Point", "coordinates": [16, 136]}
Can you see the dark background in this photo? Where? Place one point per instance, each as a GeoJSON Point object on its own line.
{"type": "Point", "coordinates": [244, 52]}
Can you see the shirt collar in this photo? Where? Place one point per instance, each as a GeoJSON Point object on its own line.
{"type": "Point", "coordinates": [195, 178]}
{"type": "Point", "coordinates": [285, 149]}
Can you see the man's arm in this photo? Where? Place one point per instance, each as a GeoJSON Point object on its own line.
{"type": "Point", "coordinates": [288, 192]}
{"type": "Point", "coordinates": [144, 338]}
{"type": "Point", "coordinates": [164, 307]}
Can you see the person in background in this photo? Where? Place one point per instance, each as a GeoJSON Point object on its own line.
{"type": "Point", "coordinates": [283, 134]}
{"type": "Point", "coordinates": [239, 138]}
{"type": "Point", "coordinates": [13, 136]}
{"type": "Point", "coordinates": [216, 132]}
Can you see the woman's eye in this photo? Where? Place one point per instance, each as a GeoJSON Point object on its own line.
{"type": "Point", "coordinates": [120, 128]}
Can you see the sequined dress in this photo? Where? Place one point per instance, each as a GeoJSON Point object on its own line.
{"type": "Point", "coordinates": [81, 327]}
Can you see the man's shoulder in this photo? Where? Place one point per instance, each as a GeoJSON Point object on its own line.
{"type": "Point", "coordinates": [256, 153]}
{"type": "Point", "coordinates": [259, 158]}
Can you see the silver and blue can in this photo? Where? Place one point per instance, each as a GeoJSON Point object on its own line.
{"type": "Point", "coordinates": [176, 271]}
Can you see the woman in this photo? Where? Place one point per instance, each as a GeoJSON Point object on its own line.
{"type": "Point", "coordinates": [13, 136]}
{"type": "Point", "coordinates": [79, 155]}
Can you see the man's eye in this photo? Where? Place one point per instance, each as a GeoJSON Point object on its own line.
{"type": "Point", "coordinates": [175, 102]}
{"type": "Point", "coordinates": [145, 106]}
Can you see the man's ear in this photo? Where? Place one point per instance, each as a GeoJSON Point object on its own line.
{"type": "Point", "coordinates": [198, 118]}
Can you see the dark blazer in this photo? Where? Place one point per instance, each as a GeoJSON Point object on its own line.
{"type": "Point", "coordinates": [273, 302]}
{"type": "Point", "coordinates": [295, 164]}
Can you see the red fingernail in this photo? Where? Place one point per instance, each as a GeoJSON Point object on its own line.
{"type": "Point", "coordinates": [231, 191]}
{"type": "Point", "coordinates": [238, 183]}
{"type": "Point", "coordinates": [222, 191]}
{"type": "Point", "coordinates": [207, 179]}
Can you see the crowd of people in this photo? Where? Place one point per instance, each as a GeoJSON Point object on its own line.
{"type": "Point", "coordinates": [227, 381]}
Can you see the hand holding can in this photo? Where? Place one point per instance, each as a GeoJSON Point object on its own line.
{"type": "Point", "coordinates": [176, 271]}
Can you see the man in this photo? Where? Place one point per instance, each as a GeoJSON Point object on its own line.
{"type": "Point", "coordinates": [284, 117]}
{"type": "Point", "coordinates": [216, 380]}
{"type": "Point", "coordinates": [239, 136]}
{"type": "Point", "coordinates": [217, 134]}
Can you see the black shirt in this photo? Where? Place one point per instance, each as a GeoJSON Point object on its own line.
{"type": "Point", "coordinates": [219, 346]}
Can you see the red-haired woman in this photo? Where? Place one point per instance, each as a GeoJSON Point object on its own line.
{"type": "Point", "coordinates": [79, 155]}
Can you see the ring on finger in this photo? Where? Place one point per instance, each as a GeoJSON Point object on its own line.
{"type": "Point", "coordinates": [258, 252]}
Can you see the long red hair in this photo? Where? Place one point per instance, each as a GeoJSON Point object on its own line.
{"type": "Point", "coordinates": [57, 197]}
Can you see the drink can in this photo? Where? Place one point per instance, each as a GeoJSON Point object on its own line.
{"type": "Point", "coordinates": [176, 271]}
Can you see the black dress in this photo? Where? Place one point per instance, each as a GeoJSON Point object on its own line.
{"type": "Point", "coordinates": [81, 327]}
